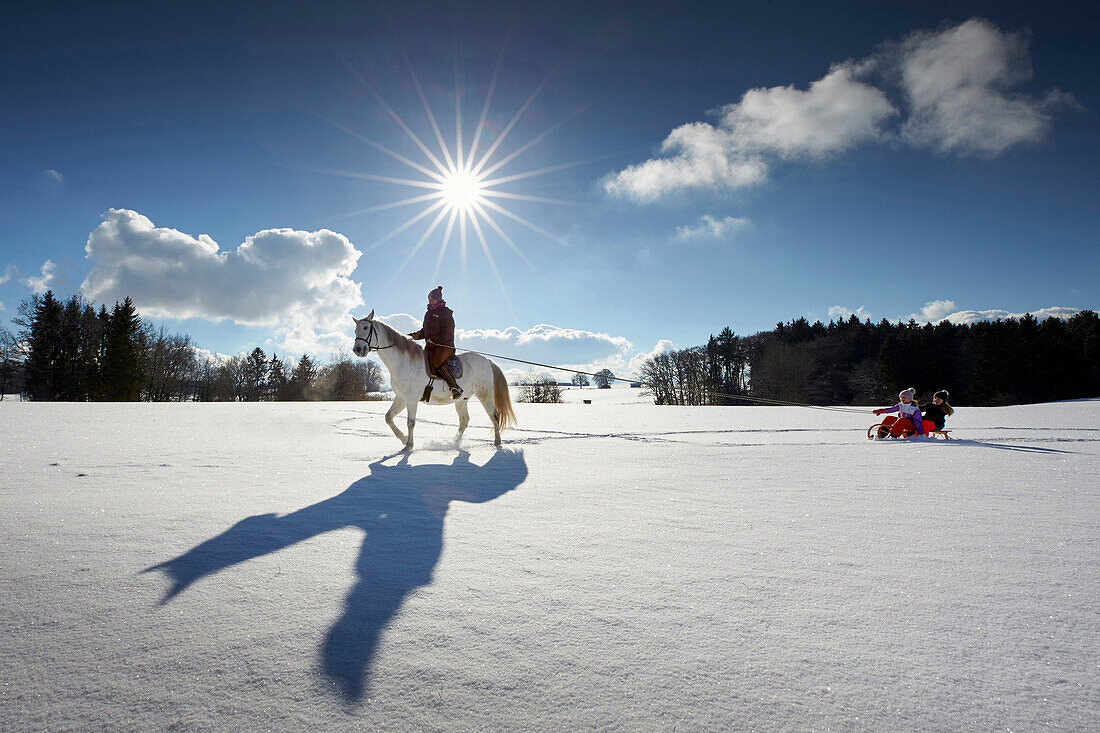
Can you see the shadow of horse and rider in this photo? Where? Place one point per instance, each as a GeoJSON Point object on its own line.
{"type": "Point", "coordinates": [401, 508]}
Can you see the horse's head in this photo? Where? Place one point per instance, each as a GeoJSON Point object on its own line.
{"type": "Point", "coordinates": [363, 334]}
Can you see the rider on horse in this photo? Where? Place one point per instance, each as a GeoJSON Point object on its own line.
{"type": "Point", "coordinates": [439, 332]}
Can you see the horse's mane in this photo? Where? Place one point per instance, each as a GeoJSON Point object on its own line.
{"type": "Point", "coordinates": [401, 341]}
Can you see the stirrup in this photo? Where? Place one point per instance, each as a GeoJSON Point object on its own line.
{"type": "Point", "coordinates": [427, 392]}
{"type": "Point", "coordinates": [456, 392]}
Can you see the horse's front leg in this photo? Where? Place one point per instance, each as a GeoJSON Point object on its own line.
{"type": "Point", "coordinates": [397, 406]}
{"type": "Point", "coordinates": [411, 413]}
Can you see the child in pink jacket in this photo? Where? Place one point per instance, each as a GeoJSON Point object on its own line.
{"type": "Point", "coordinates": [908, 422]}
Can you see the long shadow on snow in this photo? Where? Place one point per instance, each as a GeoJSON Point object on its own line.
{"type": "Point", "coordinates": [401, 509]}
{"type": "Point", "coordinates": [958, 442]}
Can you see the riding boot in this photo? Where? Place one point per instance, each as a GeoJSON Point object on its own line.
{"type": "Point", "coordinates": [445, 373]}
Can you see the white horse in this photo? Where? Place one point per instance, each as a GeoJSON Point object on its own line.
{"type": "Point", "coordinates": [404, 358]}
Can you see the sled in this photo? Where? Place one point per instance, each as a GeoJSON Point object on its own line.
{"type": "Point", "coordinates": [871, 431]}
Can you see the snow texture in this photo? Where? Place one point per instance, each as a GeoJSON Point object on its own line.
{"type": "Point", "coordinates": [617, 566]}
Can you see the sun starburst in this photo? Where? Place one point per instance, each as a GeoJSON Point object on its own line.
{"type": "Point", "coordinates": [462, 190]}
{"type": "Point", "coordinates": [461, 186]}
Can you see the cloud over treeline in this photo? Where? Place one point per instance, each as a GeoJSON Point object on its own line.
{"type": "Point", "coordinates": [953, 90]}
{"type": "Point", "coordinates": [946, 310]}
{"type": "Point", "coordinates": [936, 311]}
{"type": "Point", "coordinates": [294, 281]}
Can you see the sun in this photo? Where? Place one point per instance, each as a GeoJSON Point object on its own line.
{"type": "Point", "coordinates": [462, 191]}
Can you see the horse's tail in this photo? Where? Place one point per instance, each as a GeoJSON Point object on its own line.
{"type": "Point", "coordinates": [502, 401]}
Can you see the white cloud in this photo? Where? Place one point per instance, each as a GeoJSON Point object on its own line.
{"type": "Point", "coordinates": [971, 316]}
{"type": "Point", "coordinates": [709, 227]}
{"type": "Point", "coordinates": [835, 113]}
{"type": "Point", "coordinates": [702, 159]}
{"type": "Point", "coordinates": [934, 312]}
{"type": "Point", "coordinates": [294, 281]}
{"type": "Point", "coordinates": [633, 367]}
{"type": "Point", "coordinates": [8, 274]}
{"type": "Point", "coordinates": [41, 283]}
{"type": "Point", "coordinates": [960, 84]}
{"type": "Point", "coordinates": [48, 181]}
{"type": "Point", "coordinates": [839, 312]}
{"type": "Point", "coordinates": [946, 310]}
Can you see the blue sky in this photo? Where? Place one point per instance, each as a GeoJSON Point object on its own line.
{"type": "Point", "coordinates": [710, 165]}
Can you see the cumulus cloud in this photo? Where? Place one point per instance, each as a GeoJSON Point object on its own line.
{"type": "Point", "coordinates": [959, 83]}
{"type": "Point", "coordinates": [633, 367]}
{"type": "Point", "coordinates": [835, 113]}
{"type": "Point", "coordinates": [701, 158]}
{"type": "Point", "coordinates": [946, 310]}
{"type": "Point", "coordinates": [295, 281]}
{"type": "Point", "coordinates": [41, 283]}
{"type": "Point", "coordinates": [708, 227]}
{"type": "Point", "coordinates": [959, 88]}
{"type": "Point", "coordinates": [839, 312]}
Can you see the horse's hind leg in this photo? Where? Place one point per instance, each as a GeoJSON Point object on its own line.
{"type": "Point", "coordinates": [463, 419]}
{"type": "Point", "coordinates": [397, 406]}
{"type": "Point", "coordinates": [491, 409]}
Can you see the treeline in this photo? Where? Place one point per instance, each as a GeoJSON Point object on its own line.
{"type": "Point", "coordinates": [853, 362]}
{"type": "Point", "coordinates": [74, 351]}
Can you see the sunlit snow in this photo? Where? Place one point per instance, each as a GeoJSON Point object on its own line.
{"type": "Point", "coordinates": [617, 566]}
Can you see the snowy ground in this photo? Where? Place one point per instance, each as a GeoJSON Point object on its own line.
{"type": "Point", "coordinates": [618, 566]}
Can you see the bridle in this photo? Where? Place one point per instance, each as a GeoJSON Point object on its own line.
{"type": "Point", "coordinates": [366, 341]}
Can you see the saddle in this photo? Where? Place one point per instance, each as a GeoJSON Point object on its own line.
{"type": "Point", "coordinates": [453, 364]}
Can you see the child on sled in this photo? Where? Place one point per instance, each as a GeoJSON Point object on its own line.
{"type": "Point", "coordinates": [909, 420]}
{"type": "Point", "coordinates": [936, 411]}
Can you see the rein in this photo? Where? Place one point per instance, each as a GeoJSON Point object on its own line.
{"type": "Point", "coordinates": [370, 335]}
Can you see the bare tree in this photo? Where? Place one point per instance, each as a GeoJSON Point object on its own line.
{"type": "Point", "coordinates": [542, 389]}
{"type": "Point", "coordinates": [11, 363]}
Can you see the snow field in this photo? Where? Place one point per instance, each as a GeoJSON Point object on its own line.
{"type": "Point", "coordinates": [618, 566]}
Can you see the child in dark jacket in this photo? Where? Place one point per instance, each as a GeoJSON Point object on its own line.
{"type": "Point", "coordinates": [937, 411]}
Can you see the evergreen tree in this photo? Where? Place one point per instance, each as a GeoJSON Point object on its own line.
{"type": "Point", "coordinates": [44, 345]}
{"type": "Point", "coordinates": [98, 377]}
{"type": "Point", "coordinates": [278, 379]}
{"type": "Point", "coordinates": [122, 368]}
{"type": "Point", "coordinates": [255, 375]}
{"type": "Point", "coordinates": [302, 379]}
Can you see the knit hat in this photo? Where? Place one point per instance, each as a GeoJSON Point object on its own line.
{"type": "Point", "coordinates": [437, 294]}
{"type": "Point", "coordinates": [910, 393]}
{"type": "Point", "coordinates": [942, 394]}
